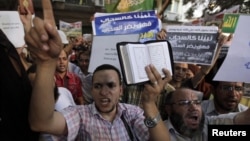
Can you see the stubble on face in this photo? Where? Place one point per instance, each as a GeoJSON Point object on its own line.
{"type": "Point", "coordinates": [227, 101]}
{"type": "Point", "coordinates": [179, 124]}
{"type": "Point", "coordinates": [113, 107]}
{"type": "Point", "coordinates": [106, 91]}
{"type": "Point", "coordinates": [62, 62]}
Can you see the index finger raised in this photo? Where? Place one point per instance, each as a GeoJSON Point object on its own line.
{"type": "Point", "coordinates": [48, 12]}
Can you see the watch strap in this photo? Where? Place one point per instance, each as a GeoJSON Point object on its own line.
{"type": "Point", "coordinates": [152, 122]}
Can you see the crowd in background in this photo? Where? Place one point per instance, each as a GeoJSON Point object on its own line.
{"type": "Point", "coordinates": [186, 102]}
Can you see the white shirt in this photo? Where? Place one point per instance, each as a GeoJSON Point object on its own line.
{"type": "Point", "coordinates": [64, 100]}
{"type": "Point", "coordinates": [86, 84]}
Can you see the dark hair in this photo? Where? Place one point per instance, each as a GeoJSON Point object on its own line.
{"type": "Point", "coordinates": [108, 67]}
{"type": "Point", "coordinates": [86, 52]}
{"type": "Point", "coordinates": [209, 77]}
{"type": "Point", "coordinates": [80, 48]}
{"type": "Point", "coordinates": [8, 5]}
{"type": "Point", "coordinates": [168, 99]}
{"type": "Point", "coordinates": [66, 52]}
{"type": "Point", "coordinates": [31, 69]}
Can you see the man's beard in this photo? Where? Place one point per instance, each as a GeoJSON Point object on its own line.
{"type": "Point", "coordinates": [108, 111]}
{"type": "Point", "coordinates": [223, 107]}
{"type": "Point", "coordinates": [179, 125]}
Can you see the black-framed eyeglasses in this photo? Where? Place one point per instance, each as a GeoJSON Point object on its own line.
{"type": "Point", "coordinates": [187, 102]}
{"type": "Point", "coordinates": [231, 88]}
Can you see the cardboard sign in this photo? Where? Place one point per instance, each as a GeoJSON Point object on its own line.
{"type": "Point", "coordinates": [12, 27]}
{"type": "Point", "coordinates": [193, 44]}
{"type": "Point", "coordinates": [229, 23]}
{"type": "Point", "coordinates": [236, 66]}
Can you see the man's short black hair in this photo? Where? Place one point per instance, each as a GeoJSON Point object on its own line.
{"type": "Point", "coordinates": [86, 52]}
{"type": "Point", "coordinates": [168, 99]}
{"type": "Point", "coordinates": [108, 67]}
{"type": "Point", "coordinates": [8, 5]}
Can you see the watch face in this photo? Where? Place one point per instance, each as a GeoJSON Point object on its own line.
{"type": "Point", "coordinates": [150, 123]}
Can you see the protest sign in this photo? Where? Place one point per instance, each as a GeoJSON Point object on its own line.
{"type": "Point", "coordinates": [104, 50]}
{"type": "Point", "coordinates": [109, 29]}
{"type": "Point", "coordinates": [229, 23]}
{"type": "Point", "coordinates": [236, 66]}
{"type": "Point", "coordinates": [119, 6]}
{"type": "Point", "coordinates": [223, 51]}
{"type": "Point", "coordinates": [217, 19]}
{"type": "Point", "coordinates": [71, 30]}
{"type": "Point", "coordinates": [125, 23]}
{"type": "Point", "coordinates": [193, 44]}
{"type": "Point", "coordinates": [12, 26]}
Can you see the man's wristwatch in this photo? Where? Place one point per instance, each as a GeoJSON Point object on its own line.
{"type": "Point", "coordinates": [152, 122]}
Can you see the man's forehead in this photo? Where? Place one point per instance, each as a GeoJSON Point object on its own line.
{"type": "Point", "coordinates": [230, 83]}
{"type": "Point", "coordinates": [182, 65]}
{"type": "Point", "coordinates": [105, 76]}
{"type": "Point", "coordinates": [187, 93]}
{"type": "Point", "coordinates": [84, 56]}
{"type": "Point", "coordinates": [62, 53]}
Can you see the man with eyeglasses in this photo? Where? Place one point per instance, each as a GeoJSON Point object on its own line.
{"type": "Point", "coordinates": [186, 120]}
{"type": "Point", "coordinates": [226, 98]}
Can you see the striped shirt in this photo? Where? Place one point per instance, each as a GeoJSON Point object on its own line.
{"type": "Point", "coordinates": [86, 124]}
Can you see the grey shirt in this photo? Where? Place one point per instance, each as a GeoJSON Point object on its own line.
{"type": "Point", "coordinates": [226, 119]}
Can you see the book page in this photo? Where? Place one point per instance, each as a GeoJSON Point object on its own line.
{"type": "Point", "coordinates": [104, 51]}
{"type": "Point", "coordinates": [159, 56]}
{"type": "Point", "coordinates": [139, 58]}
{"type": "Point", "coordinates": [126, 65]}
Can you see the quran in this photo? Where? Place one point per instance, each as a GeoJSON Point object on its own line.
{"type": "Point", "coordinates": [135, 56]}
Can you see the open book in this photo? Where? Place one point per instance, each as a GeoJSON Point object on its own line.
{"type": "Point", "coordinates": [135, 56]}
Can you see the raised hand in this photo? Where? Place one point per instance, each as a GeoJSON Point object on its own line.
{"type": "Point", "coordinates": [156, 85]}
{"type": "Point", "coordinates": [26, 19]}
{"type": "Point", "coordinates": [42, 38]}
{"type": "Point", "coordinates": [79, 40]}
{"type": "Point", "coordinates": [162, 35]}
